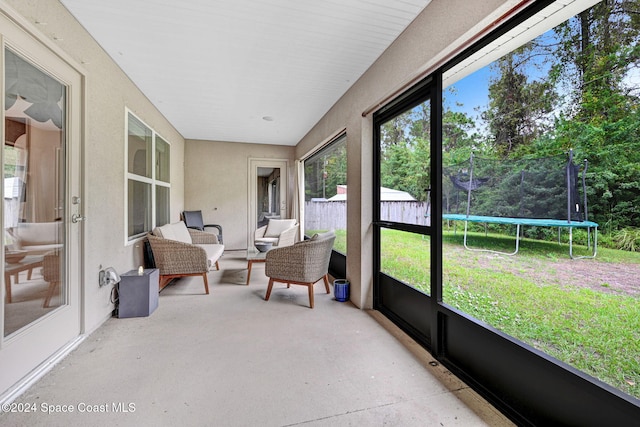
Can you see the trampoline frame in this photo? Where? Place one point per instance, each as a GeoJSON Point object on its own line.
{"type": "Point", "coordinates": [518, 222]}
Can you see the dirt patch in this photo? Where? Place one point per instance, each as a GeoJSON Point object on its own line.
{"type": "Point", "coordinates": [620, 279]}
{"type": "Point", "coordinates": [602, 276]}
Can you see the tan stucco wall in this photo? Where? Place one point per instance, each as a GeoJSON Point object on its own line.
{"type": "Point", "coordinates": [108, 92]}
{"type": "Point", "coordinates": [443, 26]}
{"type": "Point", "coordinates": [217, 174]}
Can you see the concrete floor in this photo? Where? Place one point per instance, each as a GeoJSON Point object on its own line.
{"type": "Point", "coordinates": [232, 359]}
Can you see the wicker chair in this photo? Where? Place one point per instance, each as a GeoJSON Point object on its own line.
{"type": "Point", "coordinates": [304, 263]}
{"type": "Point", "coordinates": [193, 219]}
{"type": "Point", "coordinates": [278, 232]}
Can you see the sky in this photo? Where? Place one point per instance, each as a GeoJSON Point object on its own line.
{"type": "Point", "coordinates": [472, 91]}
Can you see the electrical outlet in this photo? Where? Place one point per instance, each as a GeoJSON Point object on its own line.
{"type": "Point", "coordinates": [108, 276]}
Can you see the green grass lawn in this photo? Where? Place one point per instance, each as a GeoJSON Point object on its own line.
{"type": "Point", "coordinates": [594, 331]}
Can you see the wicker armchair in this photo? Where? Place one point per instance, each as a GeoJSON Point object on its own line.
{"type": "Point", "coordinates": [303, 263]}
{"type": "Point", "coordinates": [278, 232]}
{"type": "Point", "coordinates": [178, 252]}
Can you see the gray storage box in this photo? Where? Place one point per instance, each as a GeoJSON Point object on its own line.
{"type": "Point", "coordinates": [138, 294]}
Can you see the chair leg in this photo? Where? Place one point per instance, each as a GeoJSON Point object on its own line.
{"type": "Point", "coordinates": [206, 283]}
{"type": "Point", "coordinates": [164, 281]}
{"type": "Point", "coordinates": [310, 286]}
{"type": "Point", "coordinates": [47, 300]}
{"type": "Point", "coordinates": [326, 283]}
{"type": "Point", "coordinates": [7, 286]}
{"type": "Point", "coordinates": [269, 288]}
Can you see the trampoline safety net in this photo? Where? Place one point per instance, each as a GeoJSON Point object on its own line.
{"type": "Point", "coordinates": [541, 188]}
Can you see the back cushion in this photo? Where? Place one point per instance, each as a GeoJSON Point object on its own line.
{"type": "Point", "coordinates": [176, 231]}
{"type": "Point", "coordinates": [277, 226]}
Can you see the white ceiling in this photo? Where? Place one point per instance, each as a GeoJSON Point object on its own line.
{"type": "Point", "coordinates": [217, 68]}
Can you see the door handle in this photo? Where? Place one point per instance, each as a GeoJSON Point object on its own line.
{"type": "Point", "coordinates": [77, 218]}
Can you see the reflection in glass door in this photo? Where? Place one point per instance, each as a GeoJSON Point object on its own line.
{"type": "Point", "coordinates": [268, 195]}
{"type": "Point", "coordinates": [34, 193]}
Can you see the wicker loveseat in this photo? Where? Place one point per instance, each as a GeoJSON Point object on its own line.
{"type": "Point", "coordinates": [179, 251]}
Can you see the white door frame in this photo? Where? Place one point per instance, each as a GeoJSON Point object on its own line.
{"type": "Point", "coordinates": [28, 352]}
{"type": "Point", "coordinates": [252, 216]}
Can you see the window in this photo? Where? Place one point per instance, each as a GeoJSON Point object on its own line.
{"type": "Point", "coordinates": [510, 122]}
{"type": "Point", "coordinates": [148, 187]}
{"type": "Point", "coordinates": [325, 184]}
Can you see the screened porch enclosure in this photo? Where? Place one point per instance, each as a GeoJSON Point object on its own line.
{"type": "Point", "coordinates": [494, 140]}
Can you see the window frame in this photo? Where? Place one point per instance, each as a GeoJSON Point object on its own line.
{"type": "Point", "coordinates": [153, 181]}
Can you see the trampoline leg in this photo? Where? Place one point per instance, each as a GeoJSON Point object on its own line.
{"type": "Point", "coordinates": [464, 240]}
{"type": "Point", "coordinates": [489, 250]}
{"type": "Point", "coordinates": [595, 244]}
{"type": "Point", "coordinates": [571, 242]}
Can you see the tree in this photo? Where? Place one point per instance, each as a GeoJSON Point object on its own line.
{"type": "Point", "coordinates": [335, 170]}
{"type": "Point", "coordinates": [405, 152]}
{"type": "Point", "coordinates": [395, 131]}
{"type": "Point", "coordinates": [597, 52]}
{"type": "Point", "coordinates": [519, 108]}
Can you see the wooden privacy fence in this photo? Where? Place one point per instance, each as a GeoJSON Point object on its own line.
{"type": "Point", "coordinates": [333, 215]}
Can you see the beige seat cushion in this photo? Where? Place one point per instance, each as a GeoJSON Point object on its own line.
{"type": "Point", "coordinates": [214, 252]}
